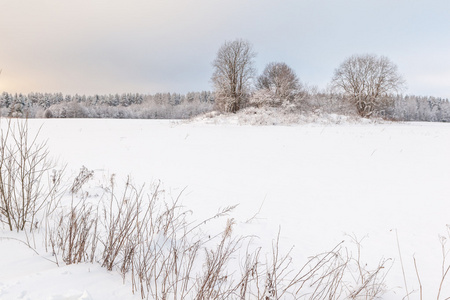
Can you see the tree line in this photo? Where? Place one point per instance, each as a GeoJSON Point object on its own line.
{"type": "Point", "coordinates": [362, 85]}
{"type": "Point", "coordinates": [127, 105]}
{"type": "Point", "coordinates": [368, 85]}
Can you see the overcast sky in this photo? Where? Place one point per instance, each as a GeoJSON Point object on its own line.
{"type": "Point", "coordinates": [149, 46]}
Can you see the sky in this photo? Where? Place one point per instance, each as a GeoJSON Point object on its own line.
{"type": "Point", "coordinates": [149, 46]}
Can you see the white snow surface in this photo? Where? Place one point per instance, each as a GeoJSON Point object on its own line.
{"type": "Point", "coordinates": [319, 183]}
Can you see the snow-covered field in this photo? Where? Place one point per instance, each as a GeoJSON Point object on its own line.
{"type": "Point", "coordinates": [319, 183]}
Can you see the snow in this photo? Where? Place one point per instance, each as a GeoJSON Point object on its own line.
{"type": "Point", "coordinates": [319, 183]}
{"type": "Point", "coordinates": [26, 275]}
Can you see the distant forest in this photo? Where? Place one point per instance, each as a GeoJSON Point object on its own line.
{"type": "Point", "coordinates": [185, 106]}
{"type": "Point", "coordinates": [124, 106]}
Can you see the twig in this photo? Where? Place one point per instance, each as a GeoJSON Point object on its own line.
{"type": "Point", "coordinates": [401, 262]}
{"type": "Point", "coordinates": [34, 250]}
{"type": "Point", "coordinates": [418, 277]}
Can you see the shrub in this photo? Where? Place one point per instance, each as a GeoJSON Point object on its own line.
{"type": "Point", "coordinates": [24, 164]}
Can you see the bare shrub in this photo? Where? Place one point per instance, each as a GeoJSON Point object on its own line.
{"type": "Point", "coordinates": [327, 275]}
{"type": "Point", "coordinates": [81, 179]}
{"type": "Point", "coordinates": [216, 282]}
{"type": "Point", "coordinates": [24, 164]}
{"type": "Point", "coordinates": [74, 234]}
{"type": "Point", "coordinates": [264, 97]}
{"type": "Point", "coordinates": [328, 103]}
{"type": "Point", "coordinates": [119, 219]}
{"type": "Point", "coordinates": [320, 277]}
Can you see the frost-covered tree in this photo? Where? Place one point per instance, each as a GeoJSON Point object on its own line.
{"type": "Point", "coordinates": [279, 84]}
{"type": "Point", "coordinates": [5, 100]}
{"type": "Point", "coordinates": [416, 108]}
{"type": "Point", "coordinates": [368, 81]}
{"type": "Point", "coordinates": [233, 71]}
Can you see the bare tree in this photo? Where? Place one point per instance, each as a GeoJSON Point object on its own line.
{"type": "Point", "coordinates": [233, 71]}
{"type": "Point", "coordinates": [279, 82]}
{"type": "Point", "coordinates": [368, 81]}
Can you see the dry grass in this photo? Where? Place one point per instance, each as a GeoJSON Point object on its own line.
{"type": "Point", "coordinates": [151, 243]}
